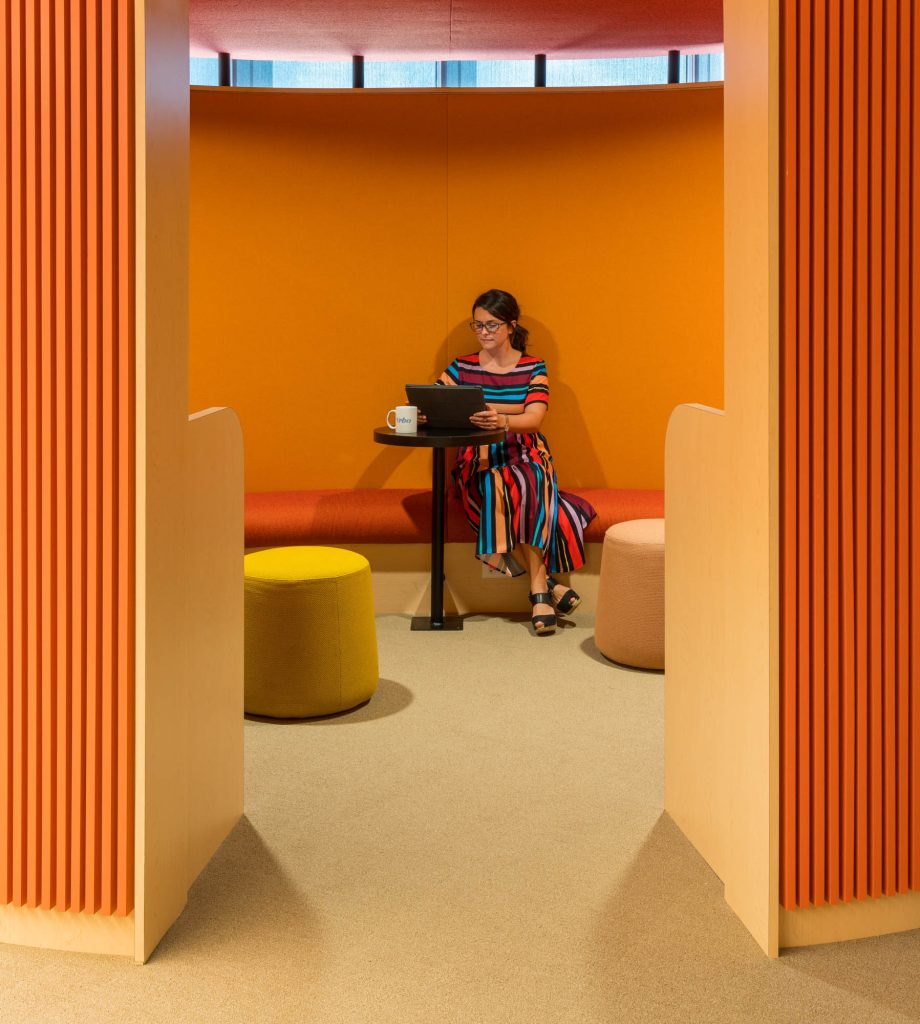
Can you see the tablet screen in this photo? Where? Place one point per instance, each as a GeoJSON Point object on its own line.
{"type": "Point", "coordinates": [446, 405]}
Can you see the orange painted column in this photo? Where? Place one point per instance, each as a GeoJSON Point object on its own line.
{"type": "Point", "coordinates": [850, 440]}
{"type": "Point", "coordinates": [67, 463]}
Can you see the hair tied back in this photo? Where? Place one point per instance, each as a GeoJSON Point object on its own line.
{"type": "Point", "coordinates": [504, 306]}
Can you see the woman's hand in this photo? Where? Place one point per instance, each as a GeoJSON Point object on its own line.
{"type": "Point", "coordinates": [488, 419]}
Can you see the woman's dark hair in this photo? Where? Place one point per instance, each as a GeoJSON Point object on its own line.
{"type": "Point", "coordinates": [503, 306]}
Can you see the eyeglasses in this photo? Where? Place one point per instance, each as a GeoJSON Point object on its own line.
{"type": "Point", "coordinates": [490, 328]}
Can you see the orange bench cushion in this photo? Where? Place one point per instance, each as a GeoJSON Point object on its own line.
{"type": "Point", "coordinates": [398, 516]}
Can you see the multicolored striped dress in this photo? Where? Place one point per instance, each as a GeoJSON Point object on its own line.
{"type": "Point", "coordinates": [508, 490]}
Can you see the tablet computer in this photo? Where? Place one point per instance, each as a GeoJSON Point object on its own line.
{"type": "Point", "coordinates": [446, 405]}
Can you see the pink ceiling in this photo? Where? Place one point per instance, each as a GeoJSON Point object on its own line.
{"type": "Point", "coordinates": [459, 29]}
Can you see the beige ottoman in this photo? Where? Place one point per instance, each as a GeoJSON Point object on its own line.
{"type": "Point", "coordinates": [629, 624]}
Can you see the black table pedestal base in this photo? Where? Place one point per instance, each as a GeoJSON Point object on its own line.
{"type": "Point", "coordinates": [423, 623]}
{"type": "Point", "coordinates": [437, 621]}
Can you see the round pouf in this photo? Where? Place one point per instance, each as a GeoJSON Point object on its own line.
{"type": "Point", "coordinates": [629, 623]}
{"type": "Point", "coordinates": [311, 640]}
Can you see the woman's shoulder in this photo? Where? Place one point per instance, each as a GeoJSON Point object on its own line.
{"type": "Point", "coordinates": [461, 369]}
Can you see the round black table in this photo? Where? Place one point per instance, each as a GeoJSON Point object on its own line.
{"type": "Point", "coordinates": [437, 440]}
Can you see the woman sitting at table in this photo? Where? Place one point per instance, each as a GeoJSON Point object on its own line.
{"type": "Point", "coordinates": [508, 489]}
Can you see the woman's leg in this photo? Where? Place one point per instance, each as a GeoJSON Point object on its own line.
{"type": "Point", "coordinates": [539, 578]}
{"type": "Point", "coordinates": [536, 568]}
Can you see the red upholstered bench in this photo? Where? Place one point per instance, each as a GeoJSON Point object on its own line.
{"type": "Point", "coordinates": [398, 516]}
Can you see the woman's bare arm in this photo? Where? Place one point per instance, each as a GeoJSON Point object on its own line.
{"type": "Point", "coordinates": [495, 416]}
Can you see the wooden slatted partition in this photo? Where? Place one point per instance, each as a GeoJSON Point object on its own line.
{"type": "Point", "coordinates": [849, 450]}
{"type": "Point", "coordinates": [67, 464]}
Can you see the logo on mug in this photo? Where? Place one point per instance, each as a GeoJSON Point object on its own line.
{"type": "Point", "coordinates": [405, 419]}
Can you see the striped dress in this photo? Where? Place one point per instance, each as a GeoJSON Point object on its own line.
{"type": "Point", "coordinates": [508, 490]}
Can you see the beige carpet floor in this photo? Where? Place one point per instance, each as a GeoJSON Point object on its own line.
{"type": "Point", "coordinates": [483, 842]}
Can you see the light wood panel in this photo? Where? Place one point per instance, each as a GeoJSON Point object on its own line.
{"type": "Point", "coordinates": [697, 700]}
{"type": "Point", "coordinates": [189, 527]}
{"type": "Point", "coordinates": [67, 462]}
{"type": "Point", "coordinates": [162, 750]}
{"type": "Point", "coordinates": [723, 475]}
{"type": "Point", "coordinates": [214, 547]}
{"type": "Point", "coordinates": [728, 804]}
{"type": "Point", "coordinates": [751, 322]}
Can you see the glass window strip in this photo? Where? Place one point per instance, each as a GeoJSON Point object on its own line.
{"type": "Point", "coordinates": [561, 73]}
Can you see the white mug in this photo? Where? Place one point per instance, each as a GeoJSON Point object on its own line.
{"type": "Point", "coordinates": [406, 417]}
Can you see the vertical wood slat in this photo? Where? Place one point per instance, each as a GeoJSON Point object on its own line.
{"type": "Point", "coordinates": [79, 444]}
{"type": "Point", "coordinates": [62, 405]}
{"type": "Point", "coordinates": [787, 483]}
{"type": "Point", "coordinates": [846, 532]}
{"type": "Point", "coordinates": [817, 426]}
{"type": "Point", "coordinates": [6, 467]}
{"type": "Point", "coordinates": [803, 460]}
{"type": "Point", "coordinates": [902, 458]}
{"type": "Point", "coordinates": [47, 524]}
{"type": "Point", "coordinates": [125, 389]}
{"type": "Point", "coordinates": [849, 441]}
{"type": "Point", "coordinates": [861, 434]}
{"type": "Point", "coordinates": [889, 518]}
{"type": "Point", "coordinates": [32, 427]}
{"type": "Point", "coordinates": [830, 140]}
{"type": "Point", "coordinates": [93, 783]}
{"type": "Point", "coordinates": [16, 488]}
{"type": "Point", "coordinates": [914, 476]}
{"type": "Point", "coordinates": [875, 678]}
{"type": "Point", "coordinates": [67, 455]}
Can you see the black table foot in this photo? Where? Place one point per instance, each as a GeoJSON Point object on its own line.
{"type": "Point", "coordinates": [450, 623]}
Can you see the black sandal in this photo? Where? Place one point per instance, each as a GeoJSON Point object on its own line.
{"type": "Point", "coordinates": [569, 600]}
{"type": "Point", "coordinates": [543, 625]}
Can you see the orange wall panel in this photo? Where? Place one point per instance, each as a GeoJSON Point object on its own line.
{"type": "Point", "coordinates": [67, 462]}
{"type": "Point", "coordinates": [603, 213]}
{"type": "Point", "coordinates": [318, 268]}
{"type": "Point", "coordinates": [850, 685]}
{"type": "Point", "coordinates": [338, 238]}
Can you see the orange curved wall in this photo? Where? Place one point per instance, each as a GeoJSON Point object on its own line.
{"type": "Point", "coordinates": [849, 443]}
{"type": "Point", "coordinates": [67, 458]}
{"type": "Point", "coordinates": [337, 239]}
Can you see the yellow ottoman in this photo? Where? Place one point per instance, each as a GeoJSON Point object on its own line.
{"type": "Point", "coordinates": [629, 620]}
{"type": "Point", "coordinates": [311, 640]}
